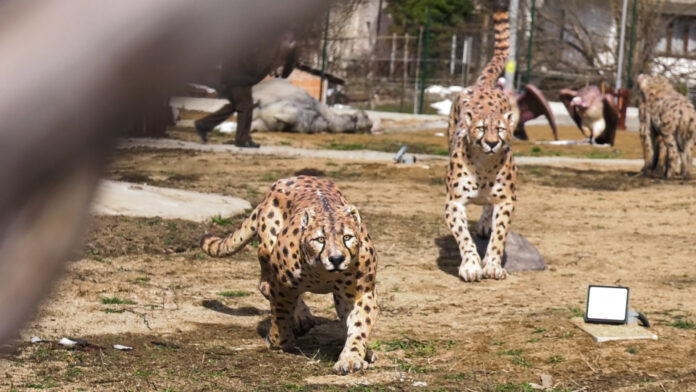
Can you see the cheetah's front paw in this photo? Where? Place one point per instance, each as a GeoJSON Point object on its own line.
{"type": "Point", "coordinates": [493, 271]}
{"type": "Point", "coordinates": [470, 272]}
{"type": "Point", "coordinates": [370, 356]}
{"type": "Point", "coordinates": [349, 363]}
{"type": "Point", "coordinates": [278, 344]}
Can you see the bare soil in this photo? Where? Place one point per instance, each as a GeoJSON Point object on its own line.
{"type": "Point", "coordinates": [197, 323]}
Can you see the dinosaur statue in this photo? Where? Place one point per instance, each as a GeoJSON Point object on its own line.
{"type": "Point", "coordinates": [593, 112]}
{"type": "Point", "coordinates": [528, 105]}
{"type": "Point", "coordinates": [282, 107]}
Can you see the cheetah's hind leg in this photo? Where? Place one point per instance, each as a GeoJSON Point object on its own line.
{"type": "Point", "coordinates": [303, 320]}
{"type": "Point", "coordinates": [483, 226]}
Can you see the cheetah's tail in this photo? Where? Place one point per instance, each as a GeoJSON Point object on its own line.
{"type": "Point", "coordinates": [218, 247]}
{"type": "Point", "coordinates": [501, 27]}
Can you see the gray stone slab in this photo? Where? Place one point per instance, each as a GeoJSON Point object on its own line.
{"type": "Point", "coordinates": [124, 198]}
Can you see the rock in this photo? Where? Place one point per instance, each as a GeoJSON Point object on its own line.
{"type": "Point", "coordinates": [123, 198]}
{"type": "Point", "coordinates": [519, 255]}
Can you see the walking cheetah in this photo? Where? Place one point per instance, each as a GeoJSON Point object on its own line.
{"type": "Point", "coordinates": [312, 240]}
{"type": "Point", "coordinates": [667, 128]}
{"type": "Point", "coordinates": [481, 169]}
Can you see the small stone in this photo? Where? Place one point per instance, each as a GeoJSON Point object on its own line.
{"type": "Point", "coordinates": [420, 384]}
{"type": "Point", "coordinates": [36, 339]}
{"type": "Point", "coordinates": [547, 381]}
{"type": "Point", "coordinates": [122, 348]}
{"type": "Point", "coordinates": [67, 342]}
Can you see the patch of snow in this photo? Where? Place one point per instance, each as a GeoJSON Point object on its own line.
{"type": "Point", "coordinates": [227, 127]}
{"type": "Point", "coordinates": [443, 107]}
{"type": "Point", "coordinates": [443, 91]}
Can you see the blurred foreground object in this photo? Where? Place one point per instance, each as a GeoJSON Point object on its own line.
{"type": "Point", "coordinates": [593, 112]}
{"type": "Point", "coordinates": [74, 74]}
{"type": "Point", "coordinates": [236, 78]}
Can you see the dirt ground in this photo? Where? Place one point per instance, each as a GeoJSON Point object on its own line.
{"type": "Point", "coordinates": [197, 323]}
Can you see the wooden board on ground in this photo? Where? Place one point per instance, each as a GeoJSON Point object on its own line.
{"type": "Point", "coordinates": [605, 332]}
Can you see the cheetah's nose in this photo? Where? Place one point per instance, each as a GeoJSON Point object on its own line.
{"type": "Point", "coordinates": [336, 260]}
{"type": "Point", "coordinates": [492, 144]}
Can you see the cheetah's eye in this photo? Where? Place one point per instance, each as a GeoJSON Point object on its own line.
{"type": "Point", "coordinates": [347, 237]}
{"type": "Point", "coordinates": [319, 240]}
{"type": "Point", "coordinates": [502, 130]}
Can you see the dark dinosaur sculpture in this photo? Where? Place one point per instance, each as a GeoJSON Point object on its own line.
{"type": "Point", "coordinates": [593, 112]}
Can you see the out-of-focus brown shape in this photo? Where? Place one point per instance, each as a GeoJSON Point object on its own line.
{"type": "Point", "coordinates": [593, 112]}
{"type": "Point", "coordinates": [74, 73]}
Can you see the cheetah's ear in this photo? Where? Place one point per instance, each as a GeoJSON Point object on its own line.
{"type": "Point", "coordinates": [468, 119]}
{"type": "Point", "coordinates": [510, 118]}
{"type": "Point", "coordinates": [352, 210]}
{"type": "Point", "coordinates": [307, 217]}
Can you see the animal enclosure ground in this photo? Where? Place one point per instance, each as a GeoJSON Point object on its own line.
{"type": "Point", "coordinates": [197, 323]}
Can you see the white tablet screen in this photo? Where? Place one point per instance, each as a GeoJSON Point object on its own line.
{"type": "Point", "coordinates": [607, 303]}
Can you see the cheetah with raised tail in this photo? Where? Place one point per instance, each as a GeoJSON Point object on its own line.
{"type": "Point", "coordinates": [481, 169]}
{"type": "Point", "coordinates": [312, 240]}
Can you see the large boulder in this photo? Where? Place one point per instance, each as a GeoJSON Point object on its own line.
{"type": "Point", "coordinates": [519, 255]}
{"type": "Point", "coordinates": [282, 107]}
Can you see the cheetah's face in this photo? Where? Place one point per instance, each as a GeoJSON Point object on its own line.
{"type": "Point", "coordinates": [331, 240]}
{"type": "Point", "coordinates": [490, 132]}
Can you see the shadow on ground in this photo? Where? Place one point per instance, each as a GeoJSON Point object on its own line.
{"type": "Point", "coordinates": [591, 179]}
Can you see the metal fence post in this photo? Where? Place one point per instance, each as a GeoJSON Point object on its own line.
{"type": "Point", "coordinates": [323, 54]}
{"type": "Point", "coordinates": [452, 57]}
{"type": "Point", "coordinates": [404, 74]}
{"type": "Point", "coordinates": [529, 45]}
{"type": "Point", "coordinates": [418, 62]}
{"type": "Point", "coordinates": [425, 61]}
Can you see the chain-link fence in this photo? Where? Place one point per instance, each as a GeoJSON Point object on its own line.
{"type": "Point", "coordinates": [386, 72]}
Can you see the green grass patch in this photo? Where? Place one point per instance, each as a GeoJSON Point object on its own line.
{"type": "Point", "coordinates": [575, 312]}
{"type": "Point", "coordinates": [116, 301]}
{"type": "Point", "coordinates": [232, 294]}
{"type": "Point", "coordinates": [521, 361]}
{"type": "Point", "coordinates": [556, 359]}
{"type": "Point", "coordinates": [220, 221]}
{"type": "Point", "coordinates": [409, 345]}
{"type": "Point", "coordinates": [632, 350]}
{"type": "Point", "coordinates": [344, 146]}
{"type": "Point", "coordinates": [510, 387]}
{"type": "Point", "coordinates": [514, 353]}
{"type": "Point", "coordinates": [683, 324]}
{"type": "Point", "coordinates": [113, 311]}
{"type": "Point", "coordinates": [411, 368]}
{"type": "Point", "coordinates": [539, 330]}
{"type": "Point", "coordinates": [272, 176]}
{"type": "Point", "coordinates": [141, 280]}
